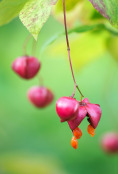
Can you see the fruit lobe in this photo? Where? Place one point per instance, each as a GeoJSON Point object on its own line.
{"type": "Point", "coordinates": [73, 124]}
{"type": "Point", "coordinates": [94, 114]}
{"type": "Point", "coordinates": [26, 67]}
{"type": "Point", "coordinates": [40, 96]}
{"type": "Point", "coordinates": [67, 108]}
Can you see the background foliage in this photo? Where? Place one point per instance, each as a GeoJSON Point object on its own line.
{"type": "Point", "coordinates": [33, 141]}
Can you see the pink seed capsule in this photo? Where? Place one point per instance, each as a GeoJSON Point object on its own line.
{"type": "Point", "coordinates": [73, 124]}
{"type": "Point", "coordinates": [109, 142]}
{"type": "Point", "coordinates": [67, 108]}
{"type": "Point", "coordinates": [26, 67]}
{"type": "Point", "coordinates": [92, 111]}
{"type": "Point", "coordinates": [40, 96]}
{"type": "Point", "coordinates": [94, 114]}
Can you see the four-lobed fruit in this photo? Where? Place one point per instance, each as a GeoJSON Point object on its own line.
{"type": "Point", "coordinates": [73, 111]}
{"type": "Point", "coordinates": [67, 108]}
{"type": "Point", "coordinates": [40, 96]}
{"type": "Point", "coordinates": [26, 66]}
{"type": "Point", "coordinates": [92, 111]}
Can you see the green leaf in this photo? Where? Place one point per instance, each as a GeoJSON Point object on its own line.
{"type": "Point", "coordinates": [108, 8]}
{"type": "Point", "coordinates": [20, 163]}
{"type": "Point", "coordinates": [9, 9]}
{"type": "Point", "coordinates": [73, 10]}
{"type": "Point", "coordinates": [80, 29]}
{"type": "Point", "coordinates": [85, 47]}
{"type": "Point", "coordinates": [85, 28]}
{"type": "Point", "coordinates": [95, 27]}
{"type": "Point", "coordinates": [69, 4]}
{"type": "Point", "coordinates": [112, 45]}
{"type": "Point", "coordinates": [35, 13]}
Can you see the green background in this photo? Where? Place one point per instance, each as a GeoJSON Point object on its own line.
{"type": "Point", "coordinates": [33, 141]}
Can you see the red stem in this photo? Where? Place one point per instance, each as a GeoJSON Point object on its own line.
{"type": "Point", "coordinates": [68, 49]}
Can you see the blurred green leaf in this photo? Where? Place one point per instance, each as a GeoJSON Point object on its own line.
{"type": "Point", "coordinates": [98, 27]}
{"type": "Point", "coordinates": [72, 11]}
{"type": "Point", "coordinates": [84, 47]}
{"type": "Point", "coordinates": [112, 44]}
{"type": "Point", "coordinates": [69, 4]}
{"type": "Point", "coordinates": [81, 12]}
{"type": "Point", "coordinates": [35, 13]}
{"type": "Point", "coordinates": [80, 29]}
{"type": "Point", "coordinates": [86, 28]}
{"type": "Point", "coordinates": [88, 15]}
{"type": "Point", "coordinates": [9, 9]}
{"type": "Point", "coordinates": [29, 164]}
{"type": "Point", "coordinates": [109, 9]}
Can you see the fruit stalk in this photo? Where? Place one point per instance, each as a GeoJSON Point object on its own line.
{"type": "Point", "coordinates": [34, 47]}
{"type": "Point", "coordinates": [68, 49]}
{"type": "Point", "coordinates": [25, 44]}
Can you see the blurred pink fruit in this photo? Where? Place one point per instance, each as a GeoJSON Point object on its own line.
{"type": "Point", "coordinates": [40, 96]}
{"type": "Point", "coordinates": [26, 67]}
{"type": "Point", "coordinates": [109, 142]}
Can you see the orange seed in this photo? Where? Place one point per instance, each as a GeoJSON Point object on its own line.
{"type": "Point", "coordinates": [77, 133]}
{"type": "Point", "coordinates": [91, 130]}
{"type": "Point", "coordinates": [74, 142]}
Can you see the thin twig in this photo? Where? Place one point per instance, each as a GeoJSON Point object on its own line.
{"type": "Point", "coordinates": [34, 47]}
{"type": "Point", "coordinates": [68, 49]}
{"type": "Point", "coordinates": [25, 44]}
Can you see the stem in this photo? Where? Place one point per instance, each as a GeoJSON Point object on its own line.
{"type": "Point", "coordinates": [25, 44]}
{"type": "Point", "coordinates": [74, 91]}
{"type": "Point", "coordinates": [40, 80]}
{"type": "Point", "coordinates": [34, 48]}
{"type": "Point", "coordinates": [68, 49]}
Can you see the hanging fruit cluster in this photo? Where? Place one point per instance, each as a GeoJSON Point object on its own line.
{"type": "Point", "coordinates": [27, 67]}
{"type": "Point", "coordinates": [73, 111]}
{"type": "Point", "coordinates": [67, 108]}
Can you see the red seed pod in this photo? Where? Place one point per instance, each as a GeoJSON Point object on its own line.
{"type": "Point", "coordinates": [109, 142]}
{"type": "Point", "coordinates": [26, 67]}
{"type": "Point", "coordinates": [92, 111]}
{"type": "Point", "coordinates": [67, 108]}
{"type": "Point", "coordinates": [73, 124]}
{"type": "Point", "coordinates": [40, 96]}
